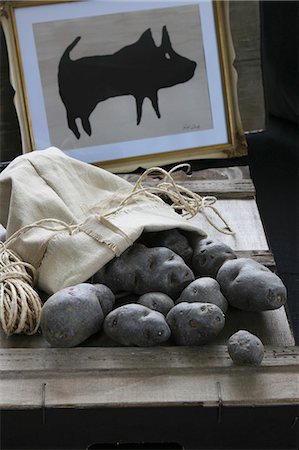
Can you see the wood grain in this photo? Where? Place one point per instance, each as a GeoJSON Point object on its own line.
{"type": "Point", "coordinates": [141, 377]}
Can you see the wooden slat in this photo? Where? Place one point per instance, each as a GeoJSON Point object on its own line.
{"type": "Point", "coordinates": [84, 359]}
{"type": "Point", "coordinates": [224, 189]}
{"type": "Point", "coordinates": [143, 377]}
{"type": "Point", "coordinates": [243, 217]}
{"type": "Point", "coordinates": [264, 257]}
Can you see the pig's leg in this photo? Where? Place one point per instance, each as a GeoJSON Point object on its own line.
{"type": "Point", "coordinates": [139, 102]}
{"type": "Point", "coordinates": [154, 99]}
{"type": "Point", "coordinates": [86, 125]}
{"type": "Point", "coordinates": [72, 125]}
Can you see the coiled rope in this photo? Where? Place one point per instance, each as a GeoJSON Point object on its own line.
{"type": "Point", "coordinates": [20, 304]}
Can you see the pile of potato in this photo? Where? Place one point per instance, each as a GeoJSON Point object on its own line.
{"type": "Point", "coordinates": [181, 293]}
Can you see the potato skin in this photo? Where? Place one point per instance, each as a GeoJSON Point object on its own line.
{"type": "Point", "coordinates": [204, 290]}
{"type": "Point", "coordinates": [136, 325]}
{"type": "Point", "coordinates": [195, 323]}
{"type": "Point", "coordinates": [172, 239]}
{"type": "Point", "coordinates": [105, 297]}
{"type": "Point", "coordinates": [209, 255]}
{"type": "Point", "coordinates": [157, 301]}
{"type": "Point", "coordinates": [248, 285]}
{"type": "Point", "coordinates": [245, 348]}
{"type": "Point", "coordinates": [140, 270]}
{"type": "Point", "coordinates": [71, 315]}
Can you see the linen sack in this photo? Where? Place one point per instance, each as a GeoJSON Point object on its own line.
{"type": "Point", "coordinates": [50, 185]}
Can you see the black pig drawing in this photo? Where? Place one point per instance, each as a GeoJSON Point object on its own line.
{"type": "Point", "coordinates": [139, 69]}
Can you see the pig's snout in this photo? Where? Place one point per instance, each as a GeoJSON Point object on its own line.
{"type": "Point", "coordinates": [185, 69]}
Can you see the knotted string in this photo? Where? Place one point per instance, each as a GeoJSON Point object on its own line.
{"type": "Point", "coordinates": [185, 201]}
{"type": "Point", "coordinates": [20, 304]}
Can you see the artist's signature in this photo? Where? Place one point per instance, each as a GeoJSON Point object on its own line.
{"type": "Point", "coordinates": [191, 127]}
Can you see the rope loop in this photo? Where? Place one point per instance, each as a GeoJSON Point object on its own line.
{"type": "Point", "coordinates": [183, 200]}
{"type": "Point", "coordinates": [20, 304]}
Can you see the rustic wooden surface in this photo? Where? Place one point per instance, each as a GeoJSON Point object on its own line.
{"type": "Point", "coordinates": [244, 17]}
{"type": "Point", "coordinates": [99, 373]}
{"type": "Point", "coordinates": [32, 375]}
{"type": "Point", "coordinates": [82, 378]}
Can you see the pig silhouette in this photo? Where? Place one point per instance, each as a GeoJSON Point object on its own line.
{"type": "Point", "coordinates": [139, 69]}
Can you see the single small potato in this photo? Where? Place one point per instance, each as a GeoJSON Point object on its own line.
{"type": "Point", "coordinates": [195, 323]}
{"type": "Point", "coordinates": [71, 315]}
{"type": "Point", "coordinates": [250, 286]}
{"type": "Point", "coordinates": [172, 239]}
{"type": "Point", "coordinates": [204, 290]}
{"type": "Point", "coordinates": [2, 233]}
{"type": "Point", "coordinates": [139, 270]}
{"type": "Point", "coordinates": [136, 325]}
{"type": "Point", "coordinates": [245, 348]}
{"type": "Point", "coordinates": [209, 255]}
{"type": "Point", "coordinates": [106, 298]}
{"type": "Point", "coordinates": [157, 301]}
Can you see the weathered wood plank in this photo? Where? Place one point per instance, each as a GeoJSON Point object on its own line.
{"type": "Point", "coordinates": [242, 215]}
{"type": "Point", "coordinates": [264, 257]}
{"type": "Point", "coordinates": [85, 359]}
{"type": "Point", "coordinates": [186, 376]}
{"type": "Point", "coordinates": [224, 189]}
{"type": "Point", "coordinates": [226, 182]}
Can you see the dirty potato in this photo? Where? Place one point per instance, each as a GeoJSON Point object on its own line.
{"type": "Point", "coordinates": [106, 298]}
{"type": "Point", "coordinates": [209, 255]}
{"type": "Point", "coordinates": [245, 348]}
{"type": "Point", "coordinates": [136, 325]}
{"type": "Point", "coordinates": [195, 323]}
{"type": "Point", "coordinates": [204, 290]}
{"type": "Point", "coordinates": [71, 315]}
{"type": "Point", "coordinates": [250, 286]}
{"type": "Point", "coordinates": [156, 301]}
{"type": "Point", "coordinates": [140, 270]}
{"type": "Point", "coordinates": [173, 239]}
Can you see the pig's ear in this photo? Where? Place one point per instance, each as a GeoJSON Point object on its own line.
{"type": "Point", "coordinates": [147, 38]}
{"type": "Point", "coordinates": [166, 44]}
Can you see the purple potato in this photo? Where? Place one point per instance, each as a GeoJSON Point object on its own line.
{"type": "Point", "coordinates": [106, 298]}
{"type": "Point", "coordinates": [245, 348]}
{"type": "Point", "coordinates": [209, 255]}
{"type": "Point", "coordinates": [195, 323]}
{"type": "Point", "coordinates": [157, 301]}
{"type": "Point", "coordinates": [204, 290]}
{"type": "Point", "coordinates": [140, 270]}
{"type": "Point", "coordinates": [71, 315]}
{"type": "Point", "coordinates": [250, 286]}
{"type": "Point", "coordinates": [172, 239]}
{"type": "Point", "coordinates": [136, 325]}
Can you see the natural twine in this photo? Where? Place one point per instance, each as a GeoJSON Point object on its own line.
{"type": "Point", "coordinates": [20, 304]}
{"type": "Point", "coordinates": [182, 199]}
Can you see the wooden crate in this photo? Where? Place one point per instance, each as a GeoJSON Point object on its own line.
{"type": "Point", "coordinates": [33, 375]}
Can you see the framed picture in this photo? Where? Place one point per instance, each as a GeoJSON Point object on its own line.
{"type": "Point", "coordinates": [124, 84]}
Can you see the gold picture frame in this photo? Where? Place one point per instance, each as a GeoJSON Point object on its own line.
{"type": "Point", "coordinates": [168, 90]}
